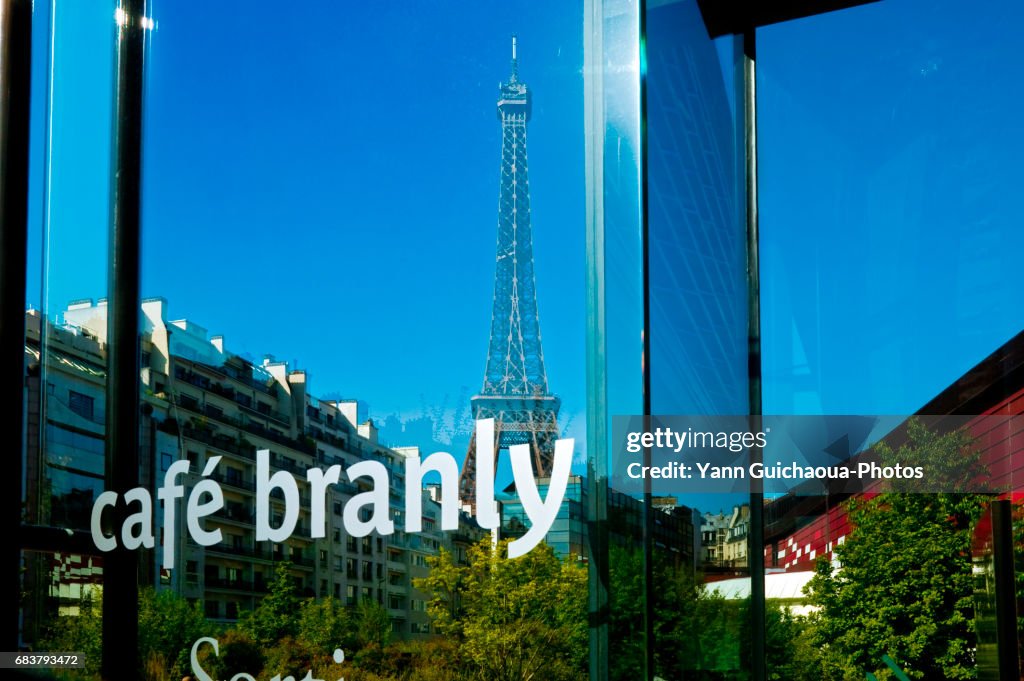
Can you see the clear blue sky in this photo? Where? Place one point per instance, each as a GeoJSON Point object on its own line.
{"type": "Point", "coordinates": [889, 166]}
{"type": "Point", "coordinates": [321, 184]}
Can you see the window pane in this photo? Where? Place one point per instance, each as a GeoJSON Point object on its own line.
{"type": "Point", "coordinates": [323, 290]}
{"type": "Point", "coordinates": [66, 363]}
{"type": "Point", "coordinates": [888, 159]}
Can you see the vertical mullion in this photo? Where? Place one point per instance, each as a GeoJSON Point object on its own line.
{"type": "Point", "coordinates": [1006, 592]}
{"type": "Point", "coordinates": [645, 359]}
{"type": "Point", "coordinates": [121, 579]}
{"type": "Point", "coordinates": [598, 568]}
{"type": "Point", "coordinates": [755, 549]}
{"type": "Point", "coordinates": [15, 91]}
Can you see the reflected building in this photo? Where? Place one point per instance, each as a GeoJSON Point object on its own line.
{"type": "Point", "coordinates": [801, 529]}
{"type": "Point", "coordinates": [201, 401]}
{"type": "Point", "coordinates": [672, 529]}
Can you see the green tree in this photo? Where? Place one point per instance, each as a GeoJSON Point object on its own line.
{"type": "Point", "coordinates": [515, 619]}
{"type": "Point", "coordinates": [325, 625]}
{"type": "Point", "coordinates": [373, 624]}
{"type": "Point", "coordinates": [236, 653]}
{"type": "Point", "coordinates": [904, 587]}
{"type": "Point", "coordinates": [695, 630]}
{"type": "Point", "coordinates": [277, 615]}
{"type": "Point", "coordinates": [82, 632]}
{"type": "Point", "coordinates": [168, 626]}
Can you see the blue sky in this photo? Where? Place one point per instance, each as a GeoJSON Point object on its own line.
{"type": "Point", "coordinates": [889, 165]}
{"type": "Point", "coordinates": [321, 185]}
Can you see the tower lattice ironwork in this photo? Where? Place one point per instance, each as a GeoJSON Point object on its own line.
{"type": "Point", "coordinates": [515, 389]}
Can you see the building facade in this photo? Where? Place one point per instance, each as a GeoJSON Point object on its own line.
{"type": "Point", "coordinates": [202, 403]}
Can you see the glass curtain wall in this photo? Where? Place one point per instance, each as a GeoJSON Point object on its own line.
{"type": "Point", "coordinates": [65, 363]}
{"type": "Point", "coordinates": [667, 328]}
{"type": "Point", "coordinates": [347, 258]}
{"type": "Point", "coordinates": [889, 162]}
{"type": "Point", "coordinates": [346, 250]}
{"type": "Point", "coordinates": [697, 278]}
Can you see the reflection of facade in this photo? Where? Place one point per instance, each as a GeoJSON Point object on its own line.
{"type": "Point", "coordinates": [724, 539]}
{"type": "Point", "coordinates": [203, 402]}
{"type": "Point", "coordinates": [801, 529]}
{"type": "Point", "coordinates": [713, 528]}
{"type": "Point", "coordinates": [64, 459]}
{"type": "Point", "coordinates": [673, 530]}
{"type": "Point", "coordinates": [735, 547]}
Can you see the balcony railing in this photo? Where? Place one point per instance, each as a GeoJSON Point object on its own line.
{"type": "Point", "coordinates": [234, 482]}
{"type": "Point", "coordinates": [305, 445]}
{"type": "Point", "coordinates": [235, 584]}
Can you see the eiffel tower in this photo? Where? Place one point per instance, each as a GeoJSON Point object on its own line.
{"type": "Point", "coordinates": [515, 390]}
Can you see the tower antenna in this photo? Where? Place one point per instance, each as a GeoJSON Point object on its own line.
{"type": "Point", "coordinates": [515, 64]}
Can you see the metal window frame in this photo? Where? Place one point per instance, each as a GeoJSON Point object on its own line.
{"type": "Point", "coordinates": [120, 621]}
{"type": "Point", "coordinates": [15, 91]}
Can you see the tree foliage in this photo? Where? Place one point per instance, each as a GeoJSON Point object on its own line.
{"type": "Point", "coordinates": [515, 620]}
{"type": "Point", "coordinates": [904, 587]}
{"type": "Point", "coordinates": [277, 615]}
{"type": "Point", "coordinates": [168, 625]}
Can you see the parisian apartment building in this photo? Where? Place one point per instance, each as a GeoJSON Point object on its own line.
{"type": "Point", "coordinates": [199, 401]}
{"type": "Point", "coordinates": [724, 539]}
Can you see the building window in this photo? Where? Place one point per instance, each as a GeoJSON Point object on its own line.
{"type": "Point", "coordinates": [350, 568]}
{"type": "Point", "coordinates": [350, 544]}
{"type": "Point", "coordinates": [231, 609]}
{"type": "Point", "coordinates": [350, 595]}
{"type": "Point", "coordinates": [367, 571]}
{"type": "Point", "coordinates": [80, 404]}
{"type": "Point", "coordinates": [367, 545]}
{"type": "Point", "coordinates": [212, 609]}
{"type": "Point", "coordinates": [165, 461]}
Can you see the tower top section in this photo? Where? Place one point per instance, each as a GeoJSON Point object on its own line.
{"type": "Point", "coordinates": [513, 95]}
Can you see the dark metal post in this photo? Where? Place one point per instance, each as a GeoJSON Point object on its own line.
{"type": "Point", "coordinates": [121, 578]}
{"type": "Point", "coordinates": [645, 360]}
{"type": "Point", "coordinates": [756, 536]}
{"type": "Point", "coordinates": [597, 403]}
{"type": "Point", "coordinates": [15, 88]}
{"type": "Point", "coordinates": [1006, 592]}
